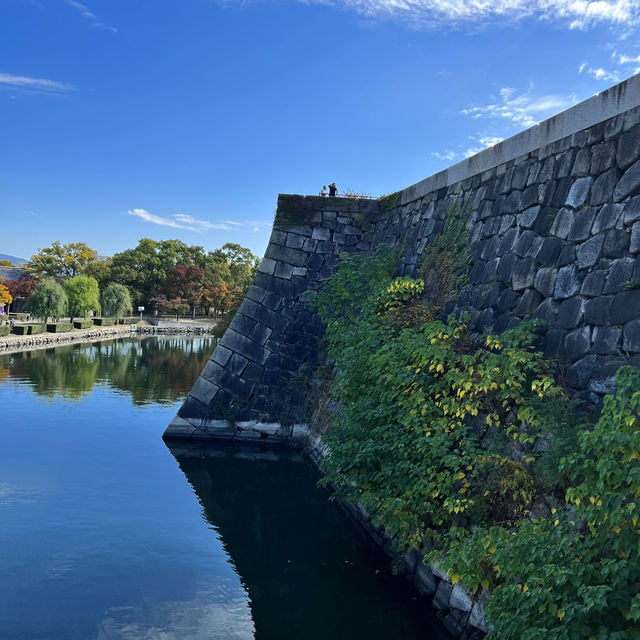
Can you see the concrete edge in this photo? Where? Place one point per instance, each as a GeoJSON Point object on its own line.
{"type": "Point", "coordinates": [598, 108]}
{"type": "Point", "coordinates": [256, 432]}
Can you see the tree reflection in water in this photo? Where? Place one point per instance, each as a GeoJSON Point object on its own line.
{"type": "Point", "coordinates": [152, 369]}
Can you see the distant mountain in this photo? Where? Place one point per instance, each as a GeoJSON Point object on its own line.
{"type": "Point", "coordinates": [4, 256]}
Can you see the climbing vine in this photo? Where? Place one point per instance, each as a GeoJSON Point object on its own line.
{"type": "Point", "coordinates": [435, 438]}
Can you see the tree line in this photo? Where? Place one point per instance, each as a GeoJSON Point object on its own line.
{"type": "Point", "coordinates": [167, 276]}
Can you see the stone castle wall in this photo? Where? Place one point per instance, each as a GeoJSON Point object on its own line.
{"type": "Point", "coordinates": [554, 233]}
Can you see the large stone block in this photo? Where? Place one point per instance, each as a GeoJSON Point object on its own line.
{"type": "Point", "coordinates": [294, 257]}
{"type": "Point", "coordinates": [528, 303]}
{"type": "Point", "coordinates": [204, 391]}
{"type": "Point", "coordinates": [528, 244]}
{"type": "Point", "coordinates": [616, 243]}
{"type": "Point", "coordinates": [570, 312]}
{"type": "Point", "coordinates": [589, 252]}
{"type": "Point", "coordinates": [603, 157]}
{"type": "Point", "coordinates": [549, 251]}
{"type": "Point", "coordinates": [443, 595]}
{"type": "Point", "coordinates": [545, 280]}
{"type": "Point", "coordinates": [629, 184]}
{"type": "Point", "coordinates": [606, 339]}
{"type": "Point", "coordinates": [581, 227]}
{"type": "Point", "coordinates": [628, 148]}
{"type": "Point", "coordinates": [567, 283]}
{"type": "Point", "coordinates": [244, 346]}
{"type": "Point", "coordinates": [635, 239]}
{"type": "Point", "coordinates": [626, 306]}
{"type": "Point", "coordinates": [631, 341]}
{"type": "Point", "coordinates": [582, 163]}
{"type": "Point", "coordinates": [608, 217]}
{"type": "Point", "coordinates": [523, 274]}
{"type": "Point", "coordinates": [598, 310]}
{"type": "Point", "coordinates": [593, 284]}
{"type": "Point", "coordinates": [603, 187]}
{"type": "Point", "coordinates": [580, 373]}
{"type": "Point", "coordinates": [563, 223]}
{"type": "Point", "coordinates": [578, 193]}
{"type": "Point", "coordinates": [632, 211]}
{"type": "Point", "coordinates": [620, 273]}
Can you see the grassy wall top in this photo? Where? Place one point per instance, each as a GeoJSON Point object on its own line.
{"type": "Point", "coordinates": [295, 210]}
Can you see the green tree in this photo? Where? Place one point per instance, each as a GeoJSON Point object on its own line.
{"type": "Point", "coordinates": [61, 261]}
{"type": "Point", "coordinates": [241, 264]}
{"type": "Point", "coordinates": [83, 296]}
{"type": "Point", "coordinates": [101, 271]}
{"type": "Point", "coordinates": [116, 300]}
{"type": "Point", "coordinates": [143, 268]}
{"type": "Point", "coordinates": [48, 300]}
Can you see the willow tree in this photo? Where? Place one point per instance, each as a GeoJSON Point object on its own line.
{"type": "Point", "coordinates": [83, 296]}
{"type": "Point", "coordinates": [116, 300]}
{"type": "Point", "coordinates": [48, 300]}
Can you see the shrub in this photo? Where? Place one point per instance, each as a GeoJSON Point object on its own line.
{"type": "Point", "coordinates": [104, 322]}
{"type": "Point", "coordinates": [18, 317]}
{"type": "Point", "coordinates": [28, 329]}
{"type": "Point", "coordinates": [59, 327]}
{"type": "Point", "coordinates": [131, 320]}
{"type": "Point", "coordinates": [82, 324]}
{"type": "Point", "coordinates": [5, 329]}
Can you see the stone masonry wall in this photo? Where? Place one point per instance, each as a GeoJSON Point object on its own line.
{"type": "Point", "coordinates": [257, 379]}
{"type": "Point", "coordinates": [555, 233]}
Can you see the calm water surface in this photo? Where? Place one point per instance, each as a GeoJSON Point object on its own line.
{"type": "Point", "coordinates": [106, 533]}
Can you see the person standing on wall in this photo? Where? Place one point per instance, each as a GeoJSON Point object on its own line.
{"type": "Point", "coordinates": [333, 190]}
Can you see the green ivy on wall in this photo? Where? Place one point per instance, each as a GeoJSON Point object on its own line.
{"type": "Point", "coordinates": [420, 397]}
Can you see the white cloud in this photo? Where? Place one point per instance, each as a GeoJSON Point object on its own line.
{"type": "Point", "coordinates": [180, 221]}
{"type": "Point", "coordinates": [599, 73]}
{"type": "Point", "coordinates": [87, 13]}
{"type": "Point", "coordinates": [38, 84]}
{"type": "Point", "coordinates": [577, 14]}
{"type": "Point", "coordinates": [485, 142]}
{"type": "Point", "coordinates": [525, 110]}
{"type": "Point", "coordinates": [628, 59]}
{"type": "Point", "coordinates": [444, 155]}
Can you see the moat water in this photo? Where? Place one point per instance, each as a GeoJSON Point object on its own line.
{"type": "Point", "coordinates": [106, 533]}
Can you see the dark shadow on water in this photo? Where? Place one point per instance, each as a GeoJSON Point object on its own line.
{"type": "Point", "coordinates": [309, 571]}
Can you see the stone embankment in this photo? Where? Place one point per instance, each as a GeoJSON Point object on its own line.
{"type": "Point", "coordinates": [13, 343]}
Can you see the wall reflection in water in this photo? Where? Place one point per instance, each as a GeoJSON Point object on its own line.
{"type": "Point", "coordinates": [308, 571]}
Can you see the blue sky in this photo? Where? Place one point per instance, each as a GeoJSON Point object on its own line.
{"type": "Point", "coordinates": [122, 119]}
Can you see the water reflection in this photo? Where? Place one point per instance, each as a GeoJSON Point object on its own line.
{"type": "Point", "coordinates": [148, 369]}
{"type": "Point", "coordinates": [308, 571]}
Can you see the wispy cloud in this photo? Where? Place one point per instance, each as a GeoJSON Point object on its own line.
{"type": "Point", "coordinates": [185, 221]}
{"type": "Point", "coordinates": [576, 14]}
{"type": "Point", "coordinates": [37, 84]}
{"type": "Point", "coordinates": [484, 142]}
{"type": "Point", "coordinates": [480, 144]}
{"type": "Point", "coordinates": [599, 73]}
{"type": "Point", "coordinates": [524, 110]}
{"type": "Point", "coordinates": [447, 154]}
{"type": "Point", "coordinates": [180, 221]}
{"type": "Point", "coordinates": [89, 15]}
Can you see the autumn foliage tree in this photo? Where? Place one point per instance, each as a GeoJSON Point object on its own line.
{"type": "Point", "coordinates": [22, 288]}
{"type": "Point", "coordinates": [185, 283]}
{"type": "Point", "coordinates": [5, 296]}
